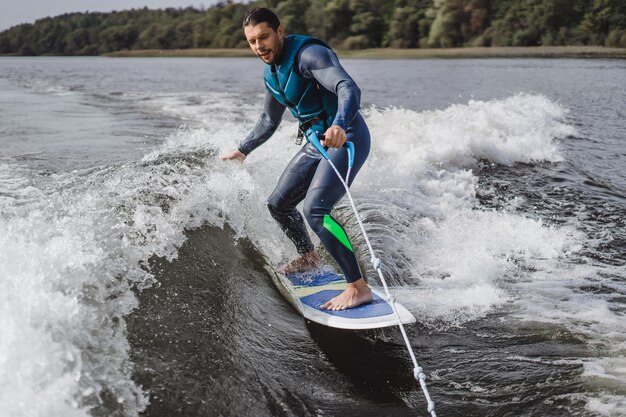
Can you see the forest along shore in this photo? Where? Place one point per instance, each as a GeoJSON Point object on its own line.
{"type": "Point", "coordinates": [395, 53]}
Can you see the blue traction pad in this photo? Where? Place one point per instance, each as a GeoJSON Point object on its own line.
{"type": "Point", "coordinates": [314, 279]}
{"type": "Point", "coordinates": [378, 307]}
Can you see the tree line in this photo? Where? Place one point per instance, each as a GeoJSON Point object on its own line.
{"type": "Point", "coordinates": [344, 24]}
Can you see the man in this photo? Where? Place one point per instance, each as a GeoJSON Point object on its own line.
{"type": "Point", "coordinates": [304, 74]}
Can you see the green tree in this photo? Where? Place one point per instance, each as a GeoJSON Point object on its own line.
{"type": "Point", "coordinates": [78, 42]}
{"type": "Point", "coordinates": [404, 30]}
{"type": "Point", "coordinates": [367, 27]}
{"type": "Point", "coordinates": [117, 38]}
{"type": "Point", "coordinates": [183, 36]}
{"type": "Point", "coordinates": [338, 17]}
{"type": "Point", "coordinates": [292, 15]}
{"type": "Point", "coordinates": [446, 28]}
{"type": "Point", "coordinates": [146, 38]}
{"type": "Point", "coordinates": [603, 18]}
{"type": "Point", "coordinates": [315, 19]}
{"type": "Point", "coordinates": [5, 44]}
{"type": "Point", "coordinates": [342, 23]}
{"type": "Point", "coordinates": [536, 22]}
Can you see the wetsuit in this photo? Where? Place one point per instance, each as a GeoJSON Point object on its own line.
{"type": "Point", "coordinates": [308, 176]}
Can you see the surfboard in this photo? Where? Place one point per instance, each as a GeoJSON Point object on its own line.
{"type": "Point", "coordinates": [306, 292]}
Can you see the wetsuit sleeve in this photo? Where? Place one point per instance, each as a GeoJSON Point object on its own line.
{"type": "Point", "coordinates": [319, 62]}
{"type": "Point", "coordinates": [266, 125]}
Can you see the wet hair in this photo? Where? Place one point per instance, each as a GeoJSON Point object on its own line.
{"type": "Point", "coordinates": [260, 15]}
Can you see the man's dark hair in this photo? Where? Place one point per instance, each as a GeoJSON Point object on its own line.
{"type": "Point", "coordinates": [260, 15]}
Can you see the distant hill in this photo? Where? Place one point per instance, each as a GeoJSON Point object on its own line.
{"type": "Point", "coordinates": [345, 24]}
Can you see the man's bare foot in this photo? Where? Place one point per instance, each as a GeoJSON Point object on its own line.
{"type": "Point", "coordinates": [306, 262]}
{"type": "Point", "coordinates": [354, 295]}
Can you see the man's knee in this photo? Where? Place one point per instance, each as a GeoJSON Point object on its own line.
{"type": "Point", "coordinates": [314, 214]}
{"type": "Point", "coordinates": [275, 205]}
{"type": "Point", "coordinates": [275, 210]}
{"type": "Point", "coordinates": [280, 208]}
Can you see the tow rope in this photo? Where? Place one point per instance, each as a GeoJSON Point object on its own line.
{"type": "Point", "coordinates": [418, 372]}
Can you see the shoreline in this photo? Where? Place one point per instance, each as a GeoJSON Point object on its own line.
{"type": "Point", "coordinates": [420, 53]}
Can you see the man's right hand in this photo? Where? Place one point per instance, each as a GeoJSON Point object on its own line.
{"type": "Point", "coordinates": [234, 154]}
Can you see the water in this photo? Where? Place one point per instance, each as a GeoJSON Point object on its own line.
{"type": "Point", "coordinates": [495, 194]}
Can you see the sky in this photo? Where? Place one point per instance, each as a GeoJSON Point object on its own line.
{"type": "Point", "coordinates": [14, 12]}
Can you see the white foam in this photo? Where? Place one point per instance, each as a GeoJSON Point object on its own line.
{"type": "Point", "coordinates": [207, 109]}
{"type": "Point", "coordinates": [45, 86]}
{"type": "Point", "coordinates": [72, 251]}
{"type": "Point", "coordinates": [522, 128]}
{"type": "Point", "coordinates": [422, 163]}
{"type": "Point", "coordinates": [459, 261]}
{"type": "Point", "coordinates": [607, 405]}
{"type": "Point", "coordinates": [70, 256]}
{"type": "Point", "coordinates": [456, 261]}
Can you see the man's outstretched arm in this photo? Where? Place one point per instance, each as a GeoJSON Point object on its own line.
{"type": "Point", "coordinates": [264, 128]}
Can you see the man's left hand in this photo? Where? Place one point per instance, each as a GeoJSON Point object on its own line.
{"type": "Point", "coordinates": [334, 137]}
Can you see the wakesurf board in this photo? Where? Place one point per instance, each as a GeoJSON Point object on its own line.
{"type": "Point", "coordinates": [307, 291]}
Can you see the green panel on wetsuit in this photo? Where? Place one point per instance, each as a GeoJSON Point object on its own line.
{"type": "Point", "coordinates": [333, 227]}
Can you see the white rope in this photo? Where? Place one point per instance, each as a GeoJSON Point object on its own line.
{"type": "Point", "coordinates": [418, 372]}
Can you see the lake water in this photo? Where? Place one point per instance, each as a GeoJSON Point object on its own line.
{"type": "Point", "coordinates": [131, 257]}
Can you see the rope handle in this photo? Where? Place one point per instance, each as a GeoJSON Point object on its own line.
{"type": "Point", "coordinates": [313, 138]}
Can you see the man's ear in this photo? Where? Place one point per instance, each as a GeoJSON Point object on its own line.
{"type": "Point", "coordinates": [281, 31]}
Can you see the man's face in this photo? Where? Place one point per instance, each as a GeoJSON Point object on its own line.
{"type": "Point", "coordinates": [264, 41]}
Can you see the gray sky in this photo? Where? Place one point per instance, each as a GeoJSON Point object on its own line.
{"type": "Point", "coordinates": [14, 12]}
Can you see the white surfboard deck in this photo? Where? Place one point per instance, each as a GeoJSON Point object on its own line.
{"type": "Point", "coordinates": [306, 292]}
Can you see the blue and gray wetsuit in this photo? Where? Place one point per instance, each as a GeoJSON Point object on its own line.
{"type": "Point", "coordinates": [309, 80]}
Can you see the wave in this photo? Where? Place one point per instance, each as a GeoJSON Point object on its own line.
{"type": "Point", "coordinates": [78, 244]}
